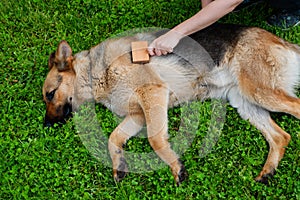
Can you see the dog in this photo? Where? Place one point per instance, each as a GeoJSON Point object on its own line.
{"type": "Point", "coordinates": [256, 71]}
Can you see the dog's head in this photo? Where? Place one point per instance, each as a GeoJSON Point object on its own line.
{"type": "Point", "coordinates": [58, 89]}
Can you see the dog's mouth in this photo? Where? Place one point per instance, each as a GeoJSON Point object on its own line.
{"type": "Point", "coordinates": [66, 114]}
{"type": "Point", "coordinates": [67, 110]}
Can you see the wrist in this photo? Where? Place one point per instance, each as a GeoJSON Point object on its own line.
{"type": "Point", "coordinates": [176, 35]}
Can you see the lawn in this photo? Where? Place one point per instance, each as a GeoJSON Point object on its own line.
{"type": "Point", "coordinates": [54, 163]}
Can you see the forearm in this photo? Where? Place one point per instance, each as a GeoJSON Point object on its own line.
{"type": "Point", "coordinates": [209, 14]}
{"type": "Point", "coordinates": [204, 3]}
{"type": "Point", "coordinates": [211, 11]}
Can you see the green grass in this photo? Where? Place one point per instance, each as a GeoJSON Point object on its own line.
{"type": "Point", "coordinates": [40, 163]}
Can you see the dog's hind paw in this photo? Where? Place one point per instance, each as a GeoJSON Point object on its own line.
{"type": "Point", "coordinates": [264, 179]}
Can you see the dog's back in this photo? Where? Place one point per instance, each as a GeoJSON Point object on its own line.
{"type": "Point", "coordinates": [250, 58]}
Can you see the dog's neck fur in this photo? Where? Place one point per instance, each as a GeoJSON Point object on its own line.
{"type": "Point", "coordinates": [92, 77]}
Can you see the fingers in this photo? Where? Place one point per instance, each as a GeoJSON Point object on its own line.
{"type": "Point", "coordinates": [165, 51]}
{"type": "Point", "coordinates": [154, 51]}
{"type": "Point", "coordinates": [151, 51]}
{"type": "Point", "coordinates": [162, 46]}
{"type": "Point", "coordinates": [165, 43]}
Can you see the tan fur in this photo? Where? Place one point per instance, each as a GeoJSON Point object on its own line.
{"type": "Point", "coordinates": [257, 74]}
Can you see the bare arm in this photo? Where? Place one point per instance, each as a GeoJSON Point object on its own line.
{"type": "Point", "coordinates": [205, 3]}
{"type": "Point", "coordinates": [210, 13]}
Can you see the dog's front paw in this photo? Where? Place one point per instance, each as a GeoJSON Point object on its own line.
{"type": "Point", "coordinates": [182, 175]}
{"type": "Point", "coordinates": [121, 171]}
{"type": "Point", "coordinates": [179, 172]}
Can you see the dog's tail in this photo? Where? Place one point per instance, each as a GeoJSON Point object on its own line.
{"type": "Point", "coordinates": [290, 61]}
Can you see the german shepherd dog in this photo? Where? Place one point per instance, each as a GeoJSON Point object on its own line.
{"type": "Point", "coordinates": [254, 70]}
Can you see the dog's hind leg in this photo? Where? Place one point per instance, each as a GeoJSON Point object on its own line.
{"type": "Point", "coordinates": [129, 127]}
{"type": "Point", "coordinates": [154, 101]}
{"type": "Point", "coordinates": [278, 100]}
{"type": "Point", "coordinates": [277, 138]}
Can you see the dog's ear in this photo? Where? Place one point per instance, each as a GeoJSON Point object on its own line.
{"type": "Point", "coordinates": [62, 58]}
{"type": "Point", "coordinates": [51, 60]}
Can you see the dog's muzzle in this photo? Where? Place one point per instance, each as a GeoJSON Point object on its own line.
{"type": "Point", "coordinates": [66, 114]}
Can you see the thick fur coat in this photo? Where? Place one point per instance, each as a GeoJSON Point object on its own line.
{"type": "Point", "coordinates": [256, 71]}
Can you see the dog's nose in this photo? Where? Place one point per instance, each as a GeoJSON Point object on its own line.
{"type": "Point", "coordinates": [47, 123]}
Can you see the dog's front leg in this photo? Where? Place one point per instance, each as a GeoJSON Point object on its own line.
{"type": "Point", "coordinates": [129, 127]}
{"type": "Point", "coordinates": [154, 101]}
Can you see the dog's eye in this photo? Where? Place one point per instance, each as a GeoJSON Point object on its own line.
{"type": "Point", "coordinates": [50, 95]}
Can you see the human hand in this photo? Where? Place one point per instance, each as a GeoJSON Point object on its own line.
{"type": "Point", "coordinates": [164, 44]}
